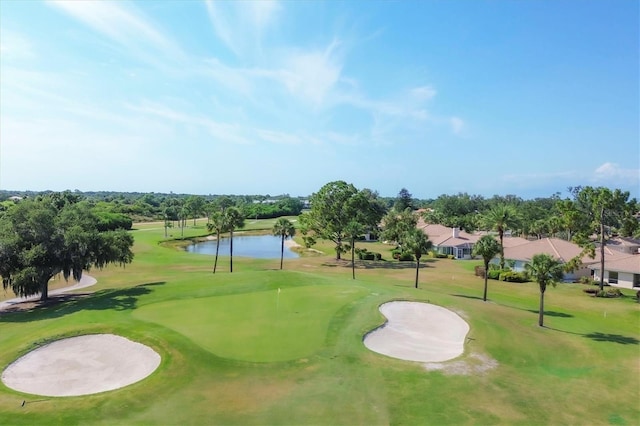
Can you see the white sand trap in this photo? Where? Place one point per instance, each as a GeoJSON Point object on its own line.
{"type": "Point", "coordinates": [418, 332]}
{"type": "Point", "coordinates": [81, 365]}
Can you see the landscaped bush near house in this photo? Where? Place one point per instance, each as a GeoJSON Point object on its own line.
{"type": "Point", "coordinates": [587, 280]}
{"type": "Point", "coordinates": [494, 274]}
{"type": "Point", "coordinates": [364, 254]}
{"type": "Point", "coordinates": [395, 253]}
{"type": "Point", "coordinates": [514, 277]}
{"type": "Point", "coordinates": [405, 257]}
{"type": "Point", "coordinates": [451, 257]}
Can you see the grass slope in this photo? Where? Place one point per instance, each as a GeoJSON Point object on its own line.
{"type": "Point", "coordinates": [232, 353]}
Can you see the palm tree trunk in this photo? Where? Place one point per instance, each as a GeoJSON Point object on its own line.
{"type": "Point", "coordinates": [281, 251]}
{"type": "Point", "coordinates": [417, 269]}
{"type": "Point", "coordinates": [541, 309]}
{"type": "Point", "coordinates": [231, 251]}
{"type": "Point", "coordinates": [602, 249]}
{"type": "Point", "coordinates": [486, 279]}
{"type": "Point", "coordinates": [501, 234]}
{"type": "Point", "coordinates": [353, 262]}
{"type": "Point", "coordinates": [215, 263]}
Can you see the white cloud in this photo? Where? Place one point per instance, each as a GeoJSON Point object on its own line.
{"type": "Point", "coordinates": [423, 93]}
{"type": "Point", "coordinates": [241, 25]}
{"type": "Point", "coordinates": [221, 132]}
{"type": "Point", "coordinates": [15, 46]}
{"type": "Point", "coordinates": [118, 21]}
{"type": "Point", "coordinates": [457, 125]}
{"type": "Point", "coordinates": [612, 172]}
{"type": "Point", "coordinates": [278, 137]}
{"type": "Point", "coordinates": [312, 75]}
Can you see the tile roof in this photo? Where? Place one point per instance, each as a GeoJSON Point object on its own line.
{"type": "Point", "coordinates": [629, 263]}
{"type": "Point", "coordinates": [443, 236]}
{"type": "Point", "coordinates": [560, 249]}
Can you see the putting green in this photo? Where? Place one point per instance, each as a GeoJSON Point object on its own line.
{"type": "Point", "coordinates": [264, 326]}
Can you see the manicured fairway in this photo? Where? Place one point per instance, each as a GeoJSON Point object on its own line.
{"type": "Point", "coordinates": [233, 354]}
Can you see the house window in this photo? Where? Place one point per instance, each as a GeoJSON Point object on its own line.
{"type": "Point", "coordinates": [636, 280]}
{"type": "Point", "coordinates": [613, 277]}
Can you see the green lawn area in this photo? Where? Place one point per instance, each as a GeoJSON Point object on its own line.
{"type": "Point", "coordinates": [236, 351]}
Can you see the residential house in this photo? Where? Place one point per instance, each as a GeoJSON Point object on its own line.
{"type": "Point", "coordinates": [624, 244]}
{"type": "Point", "coordinates": [620, 272]}
{"type": "Point", "coordinates": [518, 256]}
{"type": "Point", "coordinates": [450, 241]}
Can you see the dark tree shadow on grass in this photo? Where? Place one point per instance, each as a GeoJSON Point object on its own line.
{"type": "Point", "coordinates": [614, 338]}
{"type": "Point", "coordinates": [379, 264]}
{"type": "Point", "coordinates": [470, 297]}
{"type": "Point", "coordinates": [551, 313]}
{"type": "Point", "coordinates": [61, 305]}
{"type": "Point", "coordinates": [602, 337]}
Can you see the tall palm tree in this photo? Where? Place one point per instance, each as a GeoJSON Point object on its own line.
{"type": "Point", "coordinates": [545, 270]}
{"type": "Point", "coordinates": [233, 220]}
{"type": "Point", "coordinates": [487, 247]}
{"type": "Point", "coordinates": [500, 218]}
{"type": "Point", "coordinates": [417, 243]}
{"type": "Point", "coordinates": [352, 231]}
{"type": "Point", "coordinates": [285, 229]}
{"type": "Point", "coordinates": [217, 222]}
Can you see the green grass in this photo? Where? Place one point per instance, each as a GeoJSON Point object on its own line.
{"type": "Point", "coordinates": [232, 353]}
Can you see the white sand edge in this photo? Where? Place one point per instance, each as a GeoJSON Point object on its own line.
{"type": "Point", "coordinates": [420, 332]}
{"type": "Point", "coordinates": [81, 365]}
{"type": "Point", "coordinates": [85, 281]}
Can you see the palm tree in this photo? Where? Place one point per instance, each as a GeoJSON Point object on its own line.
{"type": "Point", "coordinates": [217, 222]}
{"type": "Point", "coordinates": [487, 247]}
{"type": "Point", "coordinates": [544, 269]}
{"type": "Point", "coordinates": [417, 243]}
{"type": "Point", "coordinates": [285, 229]}
{"type": "Point", "coordinates": [500, 218]}
{"type": "Point", "coordinates": [233, 220]}
{"type": "Point", "coordinates": [352, 231]}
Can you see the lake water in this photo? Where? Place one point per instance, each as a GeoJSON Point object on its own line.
{"type": "Point", "coordinates": [258, 246]}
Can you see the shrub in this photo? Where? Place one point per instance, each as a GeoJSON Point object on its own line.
{"type": "Point", "coordinates": [513, 277]}
{"type": "Point", "coordinates": [405, 257]}
{"type": "Point", "coordinates": [441, 256]}
{"type": "Point", "coordinates": [494, 274]}
{"type": "Point", "coordinates": [395, 253]}
{"type": "Point", "coordinates": [586, 280]}
{"type": "Point", "coordinates": [451, 257]}
{"type": "Point", "coordinates": [613, 292]}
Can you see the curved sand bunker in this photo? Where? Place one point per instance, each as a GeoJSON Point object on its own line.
{"type": "Point", "coordinates": [418, 332]}
{"type": "Point", "coordinates": [81, 365]}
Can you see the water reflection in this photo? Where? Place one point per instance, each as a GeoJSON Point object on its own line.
{"type": "Point", "coordinates": [257, 246]}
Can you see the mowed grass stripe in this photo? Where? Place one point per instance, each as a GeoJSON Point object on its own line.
{"type": "Point", "coordinates": [262, 326]}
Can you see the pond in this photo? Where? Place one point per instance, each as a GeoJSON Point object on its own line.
{"type": "Point", "coordinates": [257, 246]}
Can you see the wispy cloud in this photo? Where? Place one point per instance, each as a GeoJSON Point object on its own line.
{"type": "Point", "coordinates": [457, 125]}
{"type": "Point", "coordinates": [15, 46]}
{"type": "Point", "coordinates": [613, 173]}
{"type": "Point", "coordinates": [312, 75]}
{"type": "Point", "coordinates": [119, 21]}
{"type": "Point", "coordinates": [241, 25]}
{"type": "Point", "coordinates": [220, 132]}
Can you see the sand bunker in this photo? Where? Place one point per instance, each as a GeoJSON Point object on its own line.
{"type": "Point", "coordinates": [81, 365]}
{"type": "Point", "coordinates": [418, 332]}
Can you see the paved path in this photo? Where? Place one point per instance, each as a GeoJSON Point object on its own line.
{"type": "Point", "coordinates": [85, 281]}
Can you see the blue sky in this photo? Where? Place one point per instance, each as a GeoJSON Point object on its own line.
{"type": "Point", "coordinates": [269, 97]}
